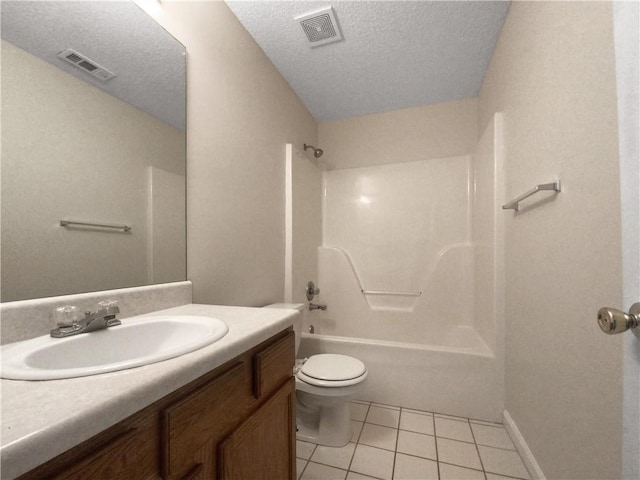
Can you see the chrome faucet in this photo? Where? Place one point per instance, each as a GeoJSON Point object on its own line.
{"type": "Point", "coordinates": [92, 321]}
{"type": "Point", "coordinates": [313, 306]}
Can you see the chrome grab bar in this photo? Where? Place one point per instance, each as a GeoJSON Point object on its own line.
{"type": "Point", "coordinates": [513, 204]}
{"type": "Point", "coordinates": [71, 223]}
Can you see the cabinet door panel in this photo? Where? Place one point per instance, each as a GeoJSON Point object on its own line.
{"type": "Point", "coordinates": [206, 414]}
{"type": "Point", "coordinates": [196, 473]}
{"type": "Point", "coordinates": [263, 447]}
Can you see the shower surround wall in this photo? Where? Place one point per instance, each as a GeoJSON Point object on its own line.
{"type": "Point", "coordinates": [402, 232]}
{"type": "Point", "coordinates": [421, 239]}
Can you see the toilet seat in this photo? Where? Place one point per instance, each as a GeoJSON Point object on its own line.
{"type": "Point", "coordinates": [332, 370]}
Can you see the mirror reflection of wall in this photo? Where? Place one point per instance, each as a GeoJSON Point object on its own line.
{"type": "Point", "coordinates": [75, 147]}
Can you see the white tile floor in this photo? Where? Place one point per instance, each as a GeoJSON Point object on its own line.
{"type": "Point", "coordinates": [393, 443]}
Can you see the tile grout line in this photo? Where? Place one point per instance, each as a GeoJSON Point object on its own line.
{"type": "Point", "coordinates": [484, 472]}
{"type": "Point", "coordinates": [364, 420]}
{"type": "Point", "coordinates": [465, 467]}
{"type": "Point", "coordinates": [385, 449]}
{"type": "Point", "coordinates": [346, 472]}
{"type": "Point", "coordinates": [468, 419]}
{"type": "Point", "coordinates": [470, 443]}
{"type": "Point", "coordinates": [435, 439]}
{"type": "Point", "coordinates": [458, 440]}
{"type": "Point", "coordinates": [395, 453]}
{"type": "Point", "coordinates": [430, 459]}
{"type": "Point", "coordinates": [304, 468]}
{"type": "Point", "coordinates": [309, 459]}
{"type": "Point", "coordinates": [397, 408]}
{"type": "Point", "coordinates": [486, 424]}
{"type": "Point", "coordinates": [497, 448]}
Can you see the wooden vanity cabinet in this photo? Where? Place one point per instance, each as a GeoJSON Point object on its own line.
{"type": "Point", "coordinates": [236, 422]}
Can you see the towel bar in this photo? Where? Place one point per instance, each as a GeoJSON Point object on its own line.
{"type": "Point", "coordinates": [70, 223]}
{"type": "Point", "coordinates": [513, 204]}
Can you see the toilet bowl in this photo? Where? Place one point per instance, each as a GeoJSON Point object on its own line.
{"type": "Point", "coordinates": [325, 383]}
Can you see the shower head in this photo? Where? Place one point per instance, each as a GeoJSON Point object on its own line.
{"type": "Point", "coordinates": [317, 152]}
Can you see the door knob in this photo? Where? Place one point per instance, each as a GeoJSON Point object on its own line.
{"type": "Point", "coordinates": [612, 320]}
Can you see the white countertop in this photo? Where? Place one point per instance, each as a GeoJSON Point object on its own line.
{"type": "Point", "coordinates": [41, 419]}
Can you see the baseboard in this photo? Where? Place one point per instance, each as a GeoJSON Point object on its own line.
{"type": "Point", "coordinates": [529, 460]}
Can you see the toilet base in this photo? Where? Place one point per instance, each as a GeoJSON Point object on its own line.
{"type": "Point", "coordinates": [328, 425]}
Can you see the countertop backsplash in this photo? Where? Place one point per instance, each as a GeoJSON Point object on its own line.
{"type": "Point", "coordinates": [26, 319]}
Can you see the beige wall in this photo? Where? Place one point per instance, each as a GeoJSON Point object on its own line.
{"type": "Point", "coordinates": [552, 74]}
{"type": "Point", "coordinates": [446, 129]}
{"type": "Point", "coordinates": [240, 115]}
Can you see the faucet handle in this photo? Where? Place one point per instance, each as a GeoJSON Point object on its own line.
{"type": "Point", "coordinates": [110, 306]}
{"type": "Point", "coordinates": [109, 309]}
{"type": "Point", "coordinates": [107, 304]}
{"type": "Point", "coordinates": [66, 316]}
{"type": "Point", "coordinates": [311, 291]}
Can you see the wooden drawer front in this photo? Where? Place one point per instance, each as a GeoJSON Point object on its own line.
{"type": "Point", "coordinates": [206, 414]}
{"type": "Point", "coordinates": [273, 365]}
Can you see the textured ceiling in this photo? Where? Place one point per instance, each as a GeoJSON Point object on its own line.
{"type": "Point", "coordinates": [149, 63]}
{"type": "Point", "coordinates": [395, 54]}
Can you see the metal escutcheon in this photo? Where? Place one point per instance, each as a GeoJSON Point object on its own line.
{"type": "Point", "coordinates": [612, 320]}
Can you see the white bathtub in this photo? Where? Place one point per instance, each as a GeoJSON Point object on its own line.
{"type": "Point", "coordinates": [461, 377]}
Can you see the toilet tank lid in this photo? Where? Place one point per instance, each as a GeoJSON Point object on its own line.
{"type": "Point", "coordinates": [291, 306]}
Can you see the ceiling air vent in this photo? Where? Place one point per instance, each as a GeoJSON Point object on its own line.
{"type": "Point", "coordinates": [320, 27]}
{"type": "Point", "coordinates": [83, 63]}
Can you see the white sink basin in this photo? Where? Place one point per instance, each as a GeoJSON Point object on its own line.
{"type": "Point", "coordinates": [132, 344]}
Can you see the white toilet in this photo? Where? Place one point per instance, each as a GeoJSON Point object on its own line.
{"type": "Point", "coordinates": [325, 383]}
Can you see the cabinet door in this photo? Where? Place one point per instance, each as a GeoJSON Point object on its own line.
{"type": "Point", "coordinates": [263, 446]}
{"type": "Point", "coordinates": [194, 425]}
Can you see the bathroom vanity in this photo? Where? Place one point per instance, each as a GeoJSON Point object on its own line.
{"type": "Point", "coordinates": [224, 411]}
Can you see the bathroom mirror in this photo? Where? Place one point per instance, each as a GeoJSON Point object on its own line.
{"type": "Point", "coordinates": [93, 131]}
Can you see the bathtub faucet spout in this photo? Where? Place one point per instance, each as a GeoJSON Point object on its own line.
{"type": "Point", "coordinates": [313, 306]}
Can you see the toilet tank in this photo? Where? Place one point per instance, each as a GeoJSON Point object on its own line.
{"type": "Point", "coordinates": [297, 324]}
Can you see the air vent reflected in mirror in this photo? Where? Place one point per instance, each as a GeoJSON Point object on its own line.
{"type": "Point", "coordinates": [83, 63]}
